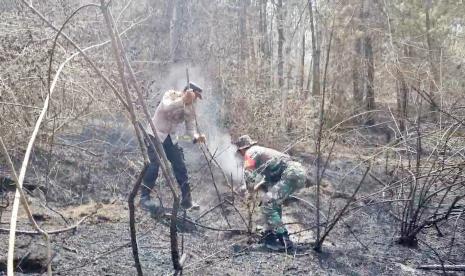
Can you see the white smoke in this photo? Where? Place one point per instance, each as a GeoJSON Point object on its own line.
{"type": "Point", "coordinates": [220, 145]}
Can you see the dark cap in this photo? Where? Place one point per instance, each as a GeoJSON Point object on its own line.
{"type": "Point", "coordinates": [194, 87]}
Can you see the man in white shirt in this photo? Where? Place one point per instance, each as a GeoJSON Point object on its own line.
{"type": "Point", "coordinates": [176, 107]}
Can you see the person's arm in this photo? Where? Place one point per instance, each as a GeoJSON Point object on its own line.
{"type": "Point", "coordinates": [191, 128]}
{"type": "Point", "coordinates": [191, 125]}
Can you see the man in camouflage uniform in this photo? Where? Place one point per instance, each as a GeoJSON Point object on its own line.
{"type": "Point", "coordinates": [278, 176]}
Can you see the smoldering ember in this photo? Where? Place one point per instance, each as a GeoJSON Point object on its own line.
{"type": "Point", "coordinates": [246, 137]}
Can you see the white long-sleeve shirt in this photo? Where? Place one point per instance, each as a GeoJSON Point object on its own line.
{"type": "Point", "coordinates": [171, 112]}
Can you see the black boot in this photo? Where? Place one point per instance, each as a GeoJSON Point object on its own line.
{"type": "Point", "coordinates": [149, 205]}
{"type": "Point", "coordinates": [186, 201]}
{"type": "Point", "coordinates": [270, 239]}
{"type": "Point", "coordinates": [285, 241]}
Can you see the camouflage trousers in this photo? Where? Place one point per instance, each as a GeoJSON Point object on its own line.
{"type": "Point", "coordinates": [292, 179]}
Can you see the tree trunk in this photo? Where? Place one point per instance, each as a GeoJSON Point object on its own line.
{"type": "Point", "coordinates": [167, 14]}
{"type": "Point", "coordinates": [402, 92]}
{"type": "Point", "coordinates": [302, 66]}
{"type": "Point", "coordinates": [315, 53]}
{"type": "Point", "coordinates": [178, 31]}
{"type": "Point", "coordinates": [435, 79]}
{"type": "Point", "coordinates": [357, 93]}
{"type": "Point", "coordinates": [370, 92]}
{"type": "Point", "coordinates": [263, 28]}
{"type": "Point", "coordinates": [280, 28]}
{"type": "Point", "coordinates": [242, 29]}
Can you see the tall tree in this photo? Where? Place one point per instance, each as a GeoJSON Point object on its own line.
{"type": "Point", "coordinates": [178, 32]}
{"type": "Point", "coordinates": [435, 78]}
{"type": "Point", "coordinates": [363, 76]}
{"type": "Point", "coordinates": [315, 51]}
{"type": "Point", "coordinates": [280, 28]}
{"type": "Point", "coordinates": [302, 65]}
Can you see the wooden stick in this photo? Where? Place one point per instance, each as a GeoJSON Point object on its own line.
{"type": "Point", "coordinates": [50, 232]}
{"type": "Point", "coordinates": [442, 267]}
{"type": "Point", "coordinates": [132, 220]}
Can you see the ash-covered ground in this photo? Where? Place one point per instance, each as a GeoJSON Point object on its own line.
{"type": "Point", "coordinates": [362, 243]}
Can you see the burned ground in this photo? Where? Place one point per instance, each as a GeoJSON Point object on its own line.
{"type": "Point", "coordinates": [363, 243]}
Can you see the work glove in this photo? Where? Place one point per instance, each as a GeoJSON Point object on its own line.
{"type": "Point", "coordinates": [242, 191]}
{"type": "Point", "coordinates": [200, 139]}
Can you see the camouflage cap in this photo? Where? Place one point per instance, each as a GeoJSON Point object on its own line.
{"type": "Point", "coordinates": [244, 142]}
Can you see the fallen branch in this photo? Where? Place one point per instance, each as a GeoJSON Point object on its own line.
{"type": "Point", "coordinates": [209, 210]}
{"type": "Point", "coordinates": [50, 232]}
{"type": "Point", "coordinates": [168, 215]}
{"type": "Point", "coordinates": [442, 267]}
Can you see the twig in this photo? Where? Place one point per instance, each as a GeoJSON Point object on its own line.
{"type": "Point", "coordinates": [216, 187]}
{"type": "Point", "coordinates": [342, 211]}
{"type": "Point", "coordinates": [50, 232]}
{"type": "Point", "coordinates": [240, 231]}
{"type": "Point", "coordinates": [209, 210]}
{"type": "Point", "coordinates": [442, 267]}
{"type": "Point", "coordinates": [237, 211]}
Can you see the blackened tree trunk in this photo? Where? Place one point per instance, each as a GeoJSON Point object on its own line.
{"type": "Point", "coordinates": [402, 99]}
{"type": "Point", "coordinates": [402, 92]}
{"type": "Point", "coordinates": [357, 92]}
{"type": "Point", "coordinates": [369, 88]}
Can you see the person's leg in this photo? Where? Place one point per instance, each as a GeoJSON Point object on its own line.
{"type": "Point", "coordinates": [149, 179]}
{"type": "Point", "coordinates": [292, 179]}
{"type": "Point", "coordinates": [175, 155]}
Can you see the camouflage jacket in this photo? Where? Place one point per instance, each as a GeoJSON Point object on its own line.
{"type": "Point", "coordinates": [261, 163]}
{"type": "Point", "coordinates": [170, 113]}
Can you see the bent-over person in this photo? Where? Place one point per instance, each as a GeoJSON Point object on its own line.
{"type": "Point", "coordinates": [279, 177]}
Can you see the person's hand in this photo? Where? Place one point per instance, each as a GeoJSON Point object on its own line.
{"type": "Point", "coordinates": [242, 191]}
{"type": "Point", "coordinates": [188, 97]}
{"type": "Point", "coordinates": [200, 139]}
{"type": "Point", "coordinates": [266, 197]}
